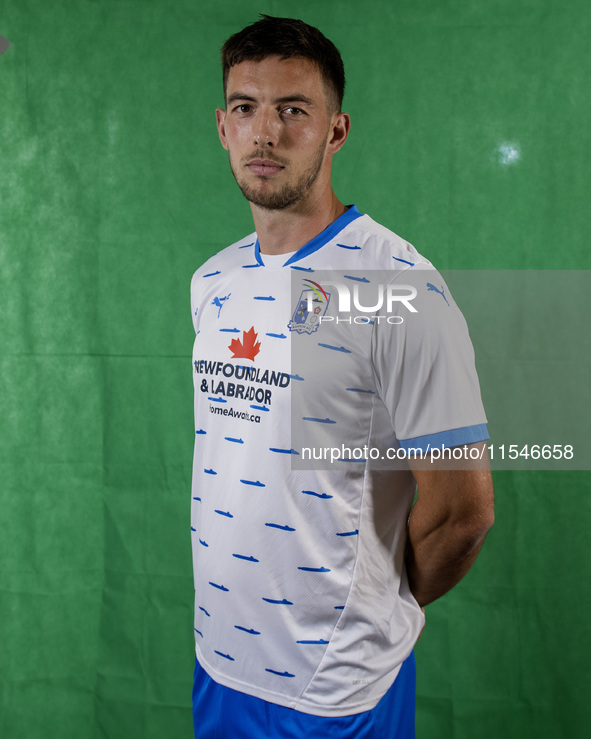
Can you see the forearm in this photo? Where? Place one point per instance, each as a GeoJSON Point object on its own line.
{"type": "Point", "coordinates": [447, 527]}
{"type": "Point", "coordinates": [438, 557]}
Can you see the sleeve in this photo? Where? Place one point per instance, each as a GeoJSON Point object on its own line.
{"type": "Point", "coordinates": [424, 366]}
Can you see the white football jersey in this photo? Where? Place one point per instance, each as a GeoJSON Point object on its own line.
{"type": "Point", "coordinates": [352, 344]}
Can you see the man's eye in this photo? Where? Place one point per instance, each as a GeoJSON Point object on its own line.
{"type": "Point", "coordinates": [244, 108]}
{"type": "Point", "coordinates": [294, 111]}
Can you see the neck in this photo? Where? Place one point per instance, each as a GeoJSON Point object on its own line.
{"type": "Point", "coordinates": [284, 231]}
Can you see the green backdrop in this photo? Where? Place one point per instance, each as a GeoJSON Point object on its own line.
{"type": "Point", "coordinates": [470, 137]}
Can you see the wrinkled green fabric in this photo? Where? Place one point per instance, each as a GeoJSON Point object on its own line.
{"type": "Point", "coordinates": [468, 139]}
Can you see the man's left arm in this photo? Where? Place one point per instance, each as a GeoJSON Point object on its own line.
{"type": "Point", "coordinates": [448, 524]}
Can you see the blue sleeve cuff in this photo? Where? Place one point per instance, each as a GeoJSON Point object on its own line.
{"type": "Point", "coordinates": [454, 437]}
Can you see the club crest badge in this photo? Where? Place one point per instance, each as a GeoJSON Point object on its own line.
{"type": "Point", "coordinates": [311, 306]}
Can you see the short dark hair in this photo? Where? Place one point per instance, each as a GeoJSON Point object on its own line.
{"type": "Point", "coordinates": [288, 38]}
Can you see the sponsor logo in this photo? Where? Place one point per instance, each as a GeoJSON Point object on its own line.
{"type": "Point", "coordinates": [432, 288]}
{"type": "Point", "coordinates": [220, 302]}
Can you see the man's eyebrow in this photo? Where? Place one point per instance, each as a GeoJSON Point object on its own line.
{"type": "Point", "coordinates": [240, 96]}
{"type": "Point", "coordinates": [295, 98]}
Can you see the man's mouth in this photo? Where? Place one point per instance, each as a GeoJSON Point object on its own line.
{"type": "Point", "coordinates": [264, 167]}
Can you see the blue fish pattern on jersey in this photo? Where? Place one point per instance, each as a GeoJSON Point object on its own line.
{"type": "Point", "coordinates": [225, 656]}
{"type": "Point", "coordinates": [279, 526]}
{"type": "Point", "coordinates": [219, 587]}
{"type": "Point", "coordinates": [280, 674]}
{"type": "Point", "coordinates": [405, 261]}
{"type": "Point", "coordinates": [314, 569]}
{"type": "Point", "coordinates": [324, 496]}
{"type": "Point", "coordinates": [335, 348]}
{"type": "Point", "coordinates": [248, 631]}
{"type": "Point", "coordinates": [245, 558]}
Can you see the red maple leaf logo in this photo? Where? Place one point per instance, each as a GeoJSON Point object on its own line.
{"type": "Point", "coordinates": [248, 348]}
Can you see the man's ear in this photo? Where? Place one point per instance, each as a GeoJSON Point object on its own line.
{"type": "Point", "coordinates": [340, 127]}
{"type": "Point", "coordinates": [220, 116]}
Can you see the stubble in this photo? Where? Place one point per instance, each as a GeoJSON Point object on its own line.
{"type": "Point", "coordinates": [287, 195]}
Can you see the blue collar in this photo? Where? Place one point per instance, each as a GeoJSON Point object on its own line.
{"type": "Point", "coordinates": [318, 241]}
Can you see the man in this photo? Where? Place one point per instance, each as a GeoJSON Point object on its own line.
{"type": "Point", "coordinates": [310, 582]}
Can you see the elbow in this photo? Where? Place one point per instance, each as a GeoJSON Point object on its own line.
{"type": "Point", "coordinates": [475, 528]}
{"type": "Point", "coordinates": [484, 527]}
{"type": "Point", "coordinates": [471, 523]}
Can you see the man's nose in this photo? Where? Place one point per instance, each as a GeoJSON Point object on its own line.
{"type": "Point", "coordinates": [266, 132]}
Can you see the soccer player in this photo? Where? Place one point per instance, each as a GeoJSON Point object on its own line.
{"type": "Point", "coordinates": [310, 577]}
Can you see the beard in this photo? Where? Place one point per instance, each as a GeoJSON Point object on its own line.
{"type": "Point", "coordinates": [287, 195]}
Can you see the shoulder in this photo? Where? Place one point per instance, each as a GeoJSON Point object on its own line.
{"type": "Point", "coordinates": [234, 257]}
{"type": "Point", "coordinates": [381, 248]}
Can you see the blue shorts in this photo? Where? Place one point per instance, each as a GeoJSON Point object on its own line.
{"type": "Point", "coordinates": [223, 713]}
